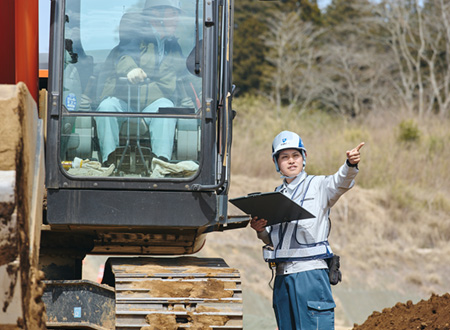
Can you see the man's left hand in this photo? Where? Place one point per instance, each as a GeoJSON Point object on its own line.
{"type": "Point", "coordinates": [354, 155]}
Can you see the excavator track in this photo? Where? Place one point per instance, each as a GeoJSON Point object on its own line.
{"type": "Point", "coordinates": [175, 293]}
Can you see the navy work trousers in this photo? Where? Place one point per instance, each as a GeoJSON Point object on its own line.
{"type": "Point", "coordinates": [303, 301]}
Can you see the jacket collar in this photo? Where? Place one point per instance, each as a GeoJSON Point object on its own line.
{"type": "Point", "coordinates": [298, 179]}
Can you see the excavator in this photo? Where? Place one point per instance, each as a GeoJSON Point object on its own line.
{"type": "Point", "coordinates": [135, 122]}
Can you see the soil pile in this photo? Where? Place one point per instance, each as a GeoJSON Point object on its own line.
{"type": "Point", "coordinates": [432, 314]}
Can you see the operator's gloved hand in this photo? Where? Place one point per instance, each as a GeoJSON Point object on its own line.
{"type": "Point", "coordinates": [136, 76]}
{"type": "Point", "coordinates": [85, 103]}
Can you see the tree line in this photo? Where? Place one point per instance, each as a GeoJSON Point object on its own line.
{"type": "Point", "coordinates": [354, 57]}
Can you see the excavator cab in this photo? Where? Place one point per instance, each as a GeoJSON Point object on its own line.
{"type": "Point", "coordinates": [136, 163]}
{"type": "Point", "coordinates": [146, 127]}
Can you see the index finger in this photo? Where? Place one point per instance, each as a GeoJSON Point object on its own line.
{"type": "Point", "coordinates": [360, 146]}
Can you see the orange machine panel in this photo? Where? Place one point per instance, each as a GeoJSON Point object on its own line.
{"type": "Point", "coordinates": [20, 43]}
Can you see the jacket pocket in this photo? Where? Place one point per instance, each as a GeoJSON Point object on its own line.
{"type": "Point", "coordinates": [305, 231]}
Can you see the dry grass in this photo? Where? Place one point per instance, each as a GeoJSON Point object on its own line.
{"type": "Point", "coordinates": [413, 174]}
{"type": "Point", "coordinates": [422, 163]}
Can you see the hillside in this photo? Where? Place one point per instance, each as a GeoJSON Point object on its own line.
{"type": "Point", "coordinates": [391, 230]}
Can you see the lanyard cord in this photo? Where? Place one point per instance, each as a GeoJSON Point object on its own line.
{"type": "Point", "coordinates": [306, 190]}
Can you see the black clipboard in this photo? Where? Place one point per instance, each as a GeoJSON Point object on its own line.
{"type": "Point", "coordinates": [273, 206]}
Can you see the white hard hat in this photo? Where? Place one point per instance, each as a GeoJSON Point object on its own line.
{"type": "Point", "coordinates": [287, 140]}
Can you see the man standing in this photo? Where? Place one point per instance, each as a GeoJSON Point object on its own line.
{"type": "Point", "coordinates": [302, 297]}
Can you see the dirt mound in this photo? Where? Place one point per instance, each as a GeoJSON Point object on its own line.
{"type": "Point", "coordinates": [432, 314]}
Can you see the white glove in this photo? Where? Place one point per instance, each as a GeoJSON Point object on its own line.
{"type": "Point", "coordinates": [136, 76]}
{"type": "Point", "coordinates": [85, 104]}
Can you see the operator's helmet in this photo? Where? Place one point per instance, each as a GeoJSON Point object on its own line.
{"type": "Point", "coordinates": [149, 4]}
{"type": "Point", "coordinates": [287, 140]}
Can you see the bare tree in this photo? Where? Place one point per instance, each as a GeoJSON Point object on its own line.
{"type": "Point", "coordinates": [353, 77]}
{"type": "Point", "coordinates": [406, 41]}
{"type": "Point", "coordinates": [397, 55]}
{"type": "Point", "coordinates": [347, 76]}
{"type": "Point", "coordinates": [292, 53]}
{"type": "Point", "coordinates": [437, 36]}
{"type": "Point", "coordinates": [418, 37]}
{"type": "Point", "coordinates": [354, 68]}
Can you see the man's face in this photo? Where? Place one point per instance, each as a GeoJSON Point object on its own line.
{"type": "Point", "coordinates": [164, 20]}
{"type": "Point", "coordinates": [290, 162]}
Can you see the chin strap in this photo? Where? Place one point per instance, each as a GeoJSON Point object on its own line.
{"type": "Point", "coordinates": [287, 177]}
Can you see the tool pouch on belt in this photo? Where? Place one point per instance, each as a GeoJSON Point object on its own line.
{"type": "Point", "coordinates": [269, 255]}
{"type": "Point", "coordinates": [334, 273]}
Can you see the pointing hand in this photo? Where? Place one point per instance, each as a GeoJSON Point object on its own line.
{"type": "Point", "coordinates": [354, 155]}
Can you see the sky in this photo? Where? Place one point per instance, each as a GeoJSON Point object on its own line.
{"type": "Point", "coordinates": [323, 3]}
{"type": "Point", "coordinates": [44, 26]}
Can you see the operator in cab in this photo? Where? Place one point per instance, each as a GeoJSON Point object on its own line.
{"type": "Point", "coordinates": [150, 57]}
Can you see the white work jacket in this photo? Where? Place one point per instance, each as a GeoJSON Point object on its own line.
{"type": "Point", "coordinates": [302, 245]}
